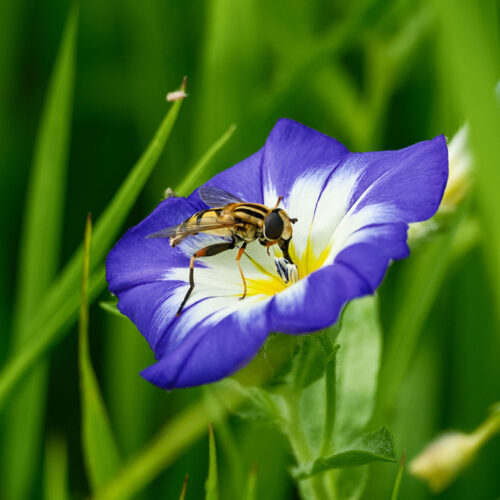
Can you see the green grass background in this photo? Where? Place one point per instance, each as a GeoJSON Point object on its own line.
{"type": "Point", "coordinates": [375, 74]}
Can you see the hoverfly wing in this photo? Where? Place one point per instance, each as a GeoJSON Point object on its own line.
{"type": "Point", "coordinates": [165, 233]}
{"type": "Point", "coordinates": [191, 227]}
{"type": "Point", "coordinates": [217, 197]}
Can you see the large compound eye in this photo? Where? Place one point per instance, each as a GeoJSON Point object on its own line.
{"type": "Point", "coordinates": [273, 226]}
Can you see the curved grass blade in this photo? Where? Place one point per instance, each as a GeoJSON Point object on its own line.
{"type": "Point", "coordinates": [464, 35]}
{"type": "Point", "coordinates": [399, 477]}
{"type": "Point", "coordinates": [251, 487]}
{"type": "Point", "coordinates": [184, 487]}
{"type": "Point", "coordinates": [194, 175]}
{"type": "Point", "coordinates": [56, 469]}
{"type": "Point", "coordinates": [425, 276]}
{"type": "Point", "coordinates": [60, 307]}
{"type": "Point", "coordinates": [101, 456]}
{"type": "Point", "coordinates": [212, 484]}
{"type": "Point", "coordinates": [166, 446]}
{"type": "Point", "coordinates": [39, 258]}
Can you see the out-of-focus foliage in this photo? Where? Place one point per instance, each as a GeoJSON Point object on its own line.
{"type": "Point", "coordinates": [372, 73]}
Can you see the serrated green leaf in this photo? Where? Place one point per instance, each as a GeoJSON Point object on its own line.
{"type": "Point", "coordinates": [212, 485]}
{"type": "Point", "coordinates": [60, 307]}
{"type": "Point", "coordinates": [39, 258]}
{"type": "Point", "coordinates": [101, 455]}
{"type": "Point", "coordinates": [56, 470]}
{"type": "Point", "coordinates": [372, 447]}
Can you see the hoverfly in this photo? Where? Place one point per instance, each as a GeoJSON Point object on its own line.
{"type": "Point", "coordinates": [233, 218]}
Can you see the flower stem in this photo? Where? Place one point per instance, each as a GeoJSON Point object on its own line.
{"type": "Point", "coordinates": [488, 428]}
{"type": "Point", "coordinates": [313, 488]}
{"type": "Point", "coordinates": [330, 380]}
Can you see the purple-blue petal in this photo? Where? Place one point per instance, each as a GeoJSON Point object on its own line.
{"type": "Point", "coordinates": [293, 150]}
{"type": "Point", "coordinates": [212, 352]}
{"type": "Point", "coordinates": [412, 179]}
{"type": "Point", "coordinates": [409, 183]}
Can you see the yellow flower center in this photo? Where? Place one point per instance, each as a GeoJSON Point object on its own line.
{"type": "Point", "coordinates": [270, 283]}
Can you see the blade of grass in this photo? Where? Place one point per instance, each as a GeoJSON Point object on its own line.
{"type": "Point", "coordinates": [56, 469]}
{"type": "Point", "coordinates": [101, 456]}
{"type": "Point", "coordinates": [184, 488]}
{"type": "Point", "coordinates": [426, 276]}
{"type": "Point", "coordinates": [39, 256]}
{"type": "Point", "coordinates": [59, 309]}
{"type": "Point", "coordinates": [229, 447]}
{"type": "Point", "coordinates": [399, 477]}
{"type": "Point", "coordinates": [194, 175]}
{"type": "Point", "coordinates": [465, 35]}
{"type": "Point", "coordinates": [63, 318]}
{"type": "Point", "coordinates": [166, 446]}
{"type": "Point", "coordinates": [251, 487]}
{"type": "Point", "coordinates": [212, 484]}
{"type": "Point", "coordinates": [129, 400]}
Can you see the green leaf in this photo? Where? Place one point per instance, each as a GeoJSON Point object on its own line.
{"type": "Point", "coordinates": [358, 362]}
{"type": "Point", "coordinates": [56, 469]}
{"type": "Point", "coordinates": [59, 309]}
{"type": "Point", "coordinates": [211, 485]}
{"type": "Point", "coordinates": [101, 455]}
{"type": "Point", "coordinates": [39, 258]}
{"type": "Point", "coordinates": [372, 447]}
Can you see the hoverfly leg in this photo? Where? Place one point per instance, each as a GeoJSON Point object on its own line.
{"type": "Point", "coordinates": [203, 252]}
{"type": "Point", "coordinates": [241, 251]}
{"type": "Point", "coordinates": [269, 244]}
{"type": "Point", "coordinates": [191, 285]}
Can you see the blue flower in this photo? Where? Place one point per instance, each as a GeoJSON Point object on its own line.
{"type": "Point", "coordinates": [353, 211]}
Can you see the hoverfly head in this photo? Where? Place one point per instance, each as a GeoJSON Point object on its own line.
{"type": "Point", "coordinates": [273, 226]}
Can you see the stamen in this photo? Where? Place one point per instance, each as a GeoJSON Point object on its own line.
{"type": "Point", "coordinates": [288, 272]}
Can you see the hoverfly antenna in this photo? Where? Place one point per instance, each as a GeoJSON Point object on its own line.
{"type": "Point", "coordinates": [294, 220]}
{"type": "Point", "coordinates": [278, 202]}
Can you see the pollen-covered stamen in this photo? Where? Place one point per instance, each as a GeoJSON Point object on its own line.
{"type": "Point", "coordinates": [288, 272]}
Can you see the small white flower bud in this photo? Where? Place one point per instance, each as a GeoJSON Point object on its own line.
{"type": "Point", "coordinates": [441, 462]}
{"type": "Point", "coordinates": [459, 177]}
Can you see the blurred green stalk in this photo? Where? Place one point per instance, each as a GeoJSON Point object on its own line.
{"type": "Point", "coordinates": [41, 241]}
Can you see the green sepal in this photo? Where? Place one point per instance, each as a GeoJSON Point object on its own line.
{"type": "Point", "coordinates": [111, 306]}
{"type": "Point", "coordinates": [314, 352]}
